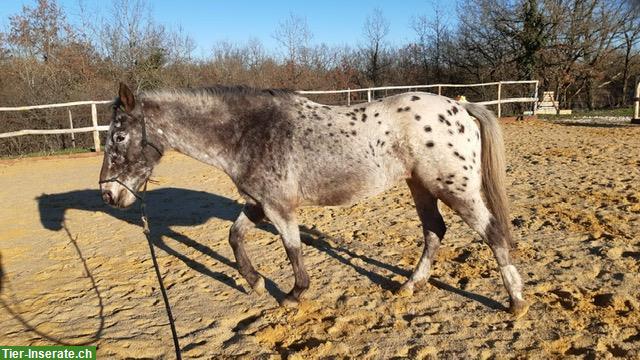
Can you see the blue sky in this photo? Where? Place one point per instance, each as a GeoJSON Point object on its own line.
{"type": "Point", "coordinates": [207, 22]}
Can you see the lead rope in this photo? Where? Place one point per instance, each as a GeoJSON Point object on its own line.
{"type": "Point", "coordinates": [147, 233]}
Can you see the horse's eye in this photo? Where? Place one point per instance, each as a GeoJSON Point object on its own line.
{"type": "Point", "coordinates": [118, 138]}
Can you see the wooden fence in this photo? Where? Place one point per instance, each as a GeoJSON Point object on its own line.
{"type": "Point", "coordinates": [499, 84]}
{"type": "Point", "coordinates": [636, 106]}
{"type": "Point", "coordinates": [95, 128]}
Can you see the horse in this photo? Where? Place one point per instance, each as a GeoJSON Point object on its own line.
{"type": "Point", "coordinates": [284, 151]}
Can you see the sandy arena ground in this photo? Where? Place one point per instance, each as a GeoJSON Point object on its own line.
{"type": "Point", "coordinates": [78, 272]}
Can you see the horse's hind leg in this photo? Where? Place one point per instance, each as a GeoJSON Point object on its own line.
{"type": "Point", "coordinates": [475, 213]}
{"type": "Point", "coordinates": [286, 224]}
{"type": "Point", "coordinates": [251, 215]}
{"type": "Point", "coordinates": [433, 227]}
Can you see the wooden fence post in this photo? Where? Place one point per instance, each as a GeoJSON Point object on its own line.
{"type": "Point", "coordinates": [348, 96]}
{"type": "Point", "coordinates": [499, 93]}
{"type": "Point", "coordinates": [96, 134]}
{"type": "Point", "coordinates": [439, 89]}
{"type": "Point", "coordinates": [73, 135]}
{"type": "Point", "coordinates": [636, 106]}
{"type": "Point", "coordinates": [369, 95]}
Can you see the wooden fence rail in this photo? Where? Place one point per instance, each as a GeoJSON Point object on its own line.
{"type": "Point", "coordinates": [499, 101]}
{"type": "Point", "coordinates": [94, 121]}
{"type": "Point", "coordinates": [95, 128]}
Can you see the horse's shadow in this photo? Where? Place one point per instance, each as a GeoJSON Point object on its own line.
{"type": "Point", "coordinates": [197, 207]}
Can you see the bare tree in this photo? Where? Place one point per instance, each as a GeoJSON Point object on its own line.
{"type": "Point", "coordinates": [294, 36]}
{"type": "Point", "coordinates": [631, 39]}
{"type": "Point", "coordinates": [375, 30]}
{"type": "Point", "coordinates": [432, 42]}
{"type": "Point", "coordinates": [37, 31]}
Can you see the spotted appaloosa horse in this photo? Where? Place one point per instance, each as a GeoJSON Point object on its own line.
{"type": "Point", "coordinates": [284, 151]}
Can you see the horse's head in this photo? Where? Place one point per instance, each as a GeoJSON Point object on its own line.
{"type": "Point", "coordinates": [129, 157]}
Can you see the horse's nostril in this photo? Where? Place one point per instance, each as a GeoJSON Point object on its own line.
{"type": "Point", "coordinates": [107, 196]}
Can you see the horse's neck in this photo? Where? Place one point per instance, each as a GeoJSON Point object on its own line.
{"type": "Point", "coordinates": [195, 133]}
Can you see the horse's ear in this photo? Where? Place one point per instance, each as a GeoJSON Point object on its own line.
{"type": "Point", "coordinates": [126, 98]}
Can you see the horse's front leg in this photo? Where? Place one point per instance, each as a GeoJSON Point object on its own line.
{"type": "Point", "coordinates": [251, 215]}
{"type": "Point", "coordinates": [286, 224]}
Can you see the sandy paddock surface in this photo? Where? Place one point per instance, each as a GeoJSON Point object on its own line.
{"type": "Point", "coordinates": [78, 272]}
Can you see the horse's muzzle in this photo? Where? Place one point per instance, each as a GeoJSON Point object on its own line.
{"type": "Point", "coordinates": [107, 197]}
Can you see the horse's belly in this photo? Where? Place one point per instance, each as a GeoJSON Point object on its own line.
{"type": "Point", "coordinates": [345, 185]}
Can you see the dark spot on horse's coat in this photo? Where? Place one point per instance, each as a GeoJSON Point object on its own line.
{"type": "Point", "coordinates": [309, 130]}
{"type": "Point", "coordinates": [353, 132]}
{"type": "Point", "coordinates": [457, 154]}
{"type": "Point", "coordinates": [449, 101]}
{"type": "Point", "coordinates": [387, 132]}
{"type": "Point", "coordinates": [465, 167]}
{"type": "Point", "coordinates": [461, 128]}
{"type": "Point", "coordinates": [330, 134]}
{"type": "Point", "coordinates": [399, 109]}
{"type": "Point", "coordinates": [478, 135]}
{"type": "Point", "coordinates": [417, 117]}
{"type": "Point", "coordinates": [447, 122]}
{"type": "Point", "coordinates": [441, 118]}
{"type": "Point", "coordinates": [351, 123]}
{"type": "Point", "coordinates": [449, 112]}
{"type": "Point", "coordinates": [364, 117]}
{"type": "Point", "coordinates": [308, 106]}
{"type": "Point", "coordinates": [473, 153]}
{"type": "Point", "coordinates": [430, 144]}
{"type": "Point", "coordinates": [454, 109]}
{"type": "Point", "coordinates": [354, 118]}
{"type": "Point", "coordinates": [427, 128]}
{"type": "Point", "coordinates": [450, 132]}
{"type": "Point", "coordinates": [406, 108]}
{"type": "Point", "coordinates": [466, 178]}
{"type": "Point", "coordinates": [326, 107]}
{"type": "Point", "coordinates": [460, 189]}
{"type": "Point", "coordinates": [414, 98]}
{"type": "Point", "coordinates": [449, 144]}
{"type": "Point", "coordinates": [439, 179]}
{"type": "Point", "coordinates": [382, 144]}
{"type": "Point", "coordinates": [362, 109]}
{"type": "Point", "coordinates": [329, 124]}
{"type": "Point", "coordinates": [464, 184]}
{"type": "Point", "coordinates": [379, 122]}
{"type": "Point", "coordinates": [302, 117]}
{"type": "Point", "coordinates": [452, 175]}
{"type": "Point", "coordinates": [448, 182]}
{"type": "Point", "coordinates": [376, 114]}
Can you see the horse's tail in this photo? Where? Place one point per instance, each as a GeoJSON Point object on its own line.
{"type": "Point", "coordinates": [493, 167]}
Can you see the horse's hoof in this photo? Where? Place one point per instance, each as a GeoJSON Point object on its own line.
{"type": "Point", "coordinates": [289, 302]}
{"type": "Point", "coordinates": [406, 290]}
{"type": "Point", "coordinates": [258, 287]}
{"type": "Point", "coordinates": [518, 308]}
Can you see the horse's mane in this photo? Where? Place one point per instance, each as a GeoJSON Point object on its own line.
{"type": "Point", "coordinates": [222, 90]}
{"type": "Point", "coordinates": [242, 90]}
